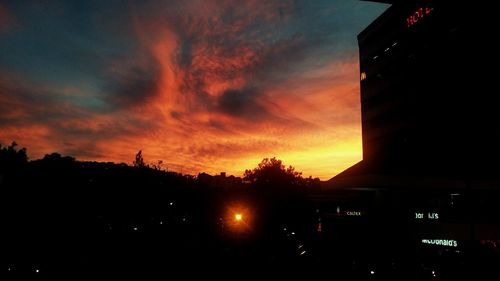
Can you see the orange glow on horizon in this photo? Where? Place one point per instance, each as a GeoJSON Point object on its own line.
{"type": "Point", "coordinates": [318, 132]}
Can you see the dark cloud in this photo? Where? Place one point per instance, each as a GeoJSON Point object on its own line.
{"type": "Point", "coordinates": [23, 103]}
{"type": "Point", "coordinates": [242, 103]}
{"type": "Point", "coordinates": [86, 150]}
{"type": "Point", "coordinates": [71, 129]}
{"type": "Point", "coordinates": [219, 126]}
{"type": "Point", "coordinates": [229, 149]}
{"type": "Point", "coordinates": [132, 87]}
{"type": "Point", "coordinates": [7, 20]}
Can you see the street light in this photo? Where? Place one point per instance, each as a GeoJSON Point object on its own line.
{"type": "Point", "coordinates": [238, 217]}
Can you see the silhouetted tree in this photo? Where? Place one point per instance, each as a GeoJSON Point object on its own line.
{"type": "Point", "coordinates": [311, 182]}
{"type": "Point", "coordinates": [56, 157]}
{"type": "Point", "coordinates": [139, 160]}
{"type": "Point", "coordinates": [11, 158]}
{"type": "Point", "coordinates": [158, 165]}
{"type": "Point", "coordinates": [272, 172]}
{"type": "Point", "coordinates": [279, 190]}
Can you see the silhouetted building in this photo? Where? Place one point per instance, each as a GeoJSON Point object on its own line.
{"type": "Point", "coordinates": [221, 180]}
{"type": "Point", "coordinates": [424, 96]}
{"type": "Point", "coordinates": [431, 136]}
{"type": "Point", "coordinates": [205, 178]}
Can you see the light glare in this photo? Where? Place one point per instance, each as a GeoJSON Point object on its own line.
{"type": "Point", "coordinates": [238, 217]}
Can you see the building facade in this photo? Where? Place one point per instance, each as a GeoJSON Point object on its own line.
{"type": "Point", "coordinates": [426, 189]}
{"type": "Point", "coordinates": [424, 95]}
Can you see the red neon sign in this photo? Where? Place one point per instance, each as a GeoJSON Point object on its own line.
{"type": "Point", "coordinates": [419, 14]}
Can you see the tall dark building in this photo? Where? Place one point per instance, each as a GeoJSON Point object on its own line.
{"type": "Point", "coordinates": [429, 181]}
{"type": "Point", "coordinates": [428, 99]}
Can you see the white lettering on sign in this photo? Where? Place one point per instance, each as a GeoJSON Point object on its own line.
{"type": "Point", "coordinates": [430, 216]}
{"type": "Point", "coordinates": [433, 216]}
{"type": "Point", "coordinates": [441, 242]}
{"type": "Point", "coordinates": [353, 213]}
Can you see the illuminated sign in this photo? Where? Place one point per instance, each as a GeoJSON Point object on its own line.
{"type": "Point", "coordinates": [429, 216]}
{"type": "Point", "coordinates": [353, 213]}
{"type": "Point", "coordinates": [419, 14]}
{"type": "Point", "coordinates": [441, 242]}
{"type": "Point", "coordinates": [349, 213]}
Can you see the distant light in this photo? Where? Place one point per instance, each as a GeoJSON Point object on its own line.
{"type": "Point", "coordinates": [433, 273]}
{"type": "Point", "coordinates": [394, 44]}
{"type": "Point", "coordinates": [9, 269]}
{"type": "Point", "coordinates": [171, 203]}
{"type": "Point", "coordinates": [303, 252]}
{"type": "Point", "coordinates": [238, 217]}
{"type": "Point", "coordinates": [284, 228]}
{"type": "Point", "coordinates": [183, 219]}
{"type": "Point", "coordinates": [363, 77]}
{"type": "Point", "coordinates": [135, 228]}
{"type": "Point", "coordinates": [161, 222]}
{"type": "Point", "coordinates": [37, 270]}
{"type": "Point", "coordinates": [375, 57]}
{"type": "Point", "coordinates": [372, 272]}
{"type": "Point", "coordinates": [300, 246]}
{"type": "Point", "coordinates": [293, 233]}
{"type": "Point", "coordinates": [387, 49]}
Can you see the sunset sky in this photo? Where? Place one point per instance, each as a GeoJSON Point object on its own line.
{"type": "Point", "coordinates": [203, 85]}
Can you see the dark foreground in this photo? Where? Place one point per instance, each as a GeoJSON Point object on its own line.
{"type": "Point", "coordinates": [85, 221]}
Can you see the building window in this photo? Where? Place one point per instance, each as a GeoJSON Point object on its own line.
{"type": "Point", "coordinates": [363, 76]}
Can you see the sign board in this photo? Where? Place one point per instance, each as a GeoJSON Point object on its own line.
{"type": "Point", "coordinates": [441, 242]}
{"type": "Point", "coordinates": [419, 14]}
{"type": "Point", "coordinates": [426, 216]}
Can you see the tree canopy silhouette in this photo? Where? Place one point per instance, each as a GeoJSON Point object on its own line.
{"type": "Point", "coordinates": [139, 160]}
{"type": "Point", "coordinates": [11, 157]}
{"type": "Point", "coordinates": [280, 193]}
{"type": "Point", "coordinates": [272, 172]}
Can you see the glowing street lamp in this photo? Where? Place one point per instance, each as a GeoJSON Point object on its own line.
{"type": "Point", "coordinates": [238, 217]}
